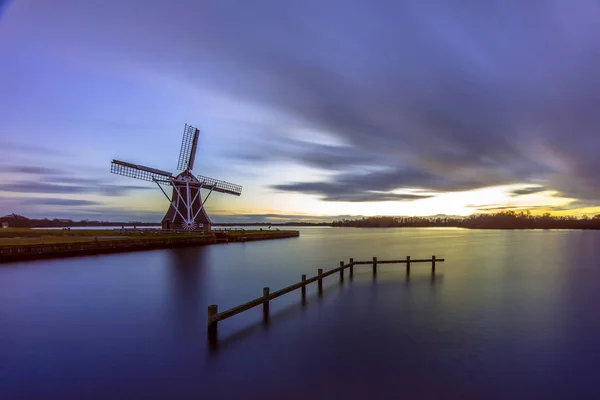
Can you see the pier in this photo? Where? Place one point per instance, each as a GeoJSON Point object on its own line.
{"type": "Point", "coordinates": [214, 316]}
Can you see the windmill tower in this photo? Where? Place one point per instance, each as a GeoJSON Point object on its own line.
{"type": "Point", "coordinates": [186, 209]}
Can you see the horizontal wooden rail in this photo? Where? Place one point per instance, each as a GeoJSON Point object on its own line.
{"type": "Point", "coordinates": [214, 316]}
{"type": "Point", "coordinates": [398, 261]}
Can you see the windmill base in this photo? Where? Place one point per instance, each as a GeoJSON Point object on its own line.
{"type": "Point", "coordinates": [186, 211]}
{"type": "Point", "coordinates": [168, 225]}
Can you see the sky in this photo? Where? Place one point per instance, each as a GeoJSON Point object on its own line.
{"type": "Point", "coordinates": [319, 109]}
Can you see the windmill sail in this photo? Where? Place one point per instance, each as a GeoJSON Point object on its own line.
{"type": "Point", "coordinates": [189, 143]}
{"type": "Point", "coordinates": [139, 172]}
{"type": "Point", "coordinates": [220, 186]}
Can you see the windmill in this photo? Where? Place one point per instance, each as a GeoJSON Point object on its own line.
{"type": "Point", "coordinates": [186, 210]}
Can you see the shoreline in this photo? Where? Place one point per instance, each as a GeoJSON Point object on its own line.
{"type": "Point", "coordinates": [98, 245]}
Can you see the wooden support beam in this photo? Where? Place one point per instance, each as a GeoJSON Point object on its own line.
{"type": "Point", "coordinates": [266, 303]}
{"type": "Point", "coordinates": [213, 310]}
{"type": "Point", "coordinates": [351, 268]}
{"type": "Point", "coordinates": [320, 281]}
{"type": "Point", "coordinates": [407, 265]}
{"type": "Point", "coordinates": [303, 287]}
{"type": "Point", "coordinates": [341, 271]}
{"type": "Point", "coordinates": [433, 264]}
{"type": "Point", "coordinates": [374, 266]}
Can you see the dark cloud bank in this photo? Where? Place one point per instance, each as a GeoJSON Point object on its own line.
{"type": "Point", "coordinates": [435, 94]}
{"type": "Point", "coordinates": [439, 95]}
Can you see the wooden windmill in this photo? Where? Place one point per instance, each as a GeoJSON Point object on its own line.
{"type": "Point", "coordinates": [186, 210]}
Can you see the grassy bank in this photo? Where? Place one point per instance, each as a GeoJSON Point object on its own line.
{"type": "Point", "coordinates": [28, 237]}
{"type": "Point", "coordinates": [36, 233]}
{"type": "Point", "coordinates": [11, 233]}
{"type": "Point", "coordinates": [29, 244]}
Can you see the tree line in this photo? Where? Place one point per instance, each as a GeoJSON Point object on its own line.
{"type": "Point", "coordinates": [501, 220]}
{"type": "Point", "coordinates": [19, 221]}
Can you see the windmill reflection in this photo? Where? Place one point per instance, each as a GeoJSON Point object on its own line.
{"type": "Point", "coordinates": [187, 272]}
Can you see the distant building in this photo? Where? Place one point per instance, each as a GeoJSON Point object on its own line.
{"type": "Point", "coordinates": [5, 225]}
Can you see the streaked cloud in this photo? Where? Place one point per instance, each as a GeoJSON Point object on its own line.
{"type": "Point", "coordinates": [341, 191]}
{"type": "Point", "coordinates": [58, 181]}
{"type": "Point", "coordinates": [27, 148]}
{"type": "Point", "coordinates": [276, 218]}
{"type": "Point", "coordinates": [529, 190]}
{"type": "Point", "coordinates": [49, 201]}
{"type": "Point", "coordinates": [29, 169]}
{"type": "Point", "coordinates": [57, 188]}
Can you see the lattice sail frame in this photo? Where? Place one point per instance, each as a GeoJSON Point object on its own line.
{"type": "Point", "coordinates": [220, 186]}
{"type": "Point", "coordinates": [189, 144]}
{"type": "Point", "coordinates": [139, 171]}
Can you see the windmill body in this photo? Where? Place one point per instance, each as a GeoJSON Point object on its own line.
{"type": "Point", "coordinates": [186, 210]}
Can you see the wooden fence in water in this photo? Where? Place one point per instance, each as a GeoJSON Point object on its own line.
{"type": "Point", "coordinates": [214, 316]}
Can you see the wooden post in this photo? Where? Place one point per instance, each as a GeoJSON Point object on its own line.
{"type": "Point", "coordinates": [342, 271]}
{"type": "Point", "coordinates": [320, 281]}
{"type": "Point", "coordinates": [433, 264]}
{"type": "Point", "coordinates": [212, 325]}
{"type": "Point", "coordinates": [407, 265]}
{"type": "Point", "coordinates": [351, 268]}
{"type": "Point", "coordinates": [265, 304]}
{"type": "Point", "coordinates": [303, 287]}
{"type": "Point", "coordinates": [374, 266]}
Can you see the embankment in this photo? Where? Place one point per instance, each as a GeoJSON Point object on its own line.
{"type": "Point", "coordinates": [26, 246]}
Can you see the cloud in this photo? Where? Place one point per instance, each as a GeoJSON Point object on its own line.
{"type": "Point", "coordinates": [275, 218]}
{"type": "Point", "coordinates": [492, 207]}
{"type": "Point", "coordinates": [343, 191]}
{"type": "Point", "coordinates": [57, 181]}
{"type": "Point", "coordinates": [59, 207]}
{"type": "Point", "coordinates": [58, 202]}
{"type": "Point", "coordinates": [529, 190]}
{"type": "Point", "coordinates": [73, 180]}
{"type": "Point", "coordinates": [118, 214]}
{"type": "Point", "coordinates": [118, 190]}
{"type": "Point", "coordinates": [28, 149]}
{"type": "Point", "coordinates": [57, 188]}
{"type": "Point", "coordinates": [372, 186]}
{"type": "Point", "coordinates": [309, 153]}
{"type": "Point", "coordinates": [515, 207]}
{"type": "Point", "coordinates": [29, 169]}
{"type": "Point", "coordinates": [41, 187]}
{"type": "Point", "coordinates": [79, 212]}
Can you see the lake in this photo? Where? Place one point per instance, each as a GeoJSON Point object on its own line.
{"type": "Point", "coordinates": [509, 314]}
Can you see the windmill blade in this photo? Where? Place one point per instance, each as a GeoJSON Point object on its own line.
{"type": "Point", "coordinates": [220, 186]}
{"type": "Point", "coordinates": [140, 172]}
{"type": "Point", "coordinates": [187, 154]}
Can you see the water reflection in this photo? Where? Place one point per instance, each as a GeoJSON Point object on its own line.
{"type": "Point", "coordinates": [186, 269]}
{"type": "Point", "coordinates": [390, 278]}
{"type": "Point", "coordinates": [291, 310]}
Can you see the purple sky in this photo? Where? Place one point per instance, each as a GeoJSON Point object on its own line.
{"type": "Point", "coordinates": [318, 108]}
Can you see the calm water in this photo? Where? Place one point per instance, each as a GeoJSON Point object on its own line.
{"type": "Point", "coordinates": [509, 314]}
